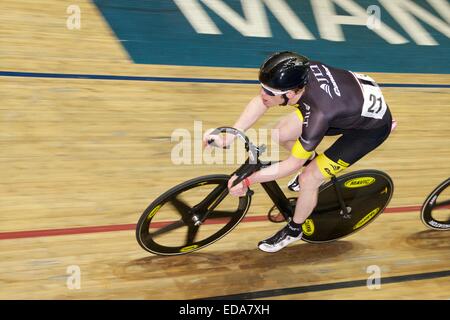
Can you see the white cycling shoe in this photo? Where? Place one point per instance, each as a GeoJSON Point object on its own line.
{"type": "Point", "coordinates": [280, 240]}
{"type": "Point", "coordinates": [294, 184]}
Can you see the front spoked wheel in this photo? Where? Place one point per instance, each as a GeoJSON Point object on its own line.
{"type": "Point", "coordinates": [435, 212]}
{"type": "Point", "coordinates": [190, 216]}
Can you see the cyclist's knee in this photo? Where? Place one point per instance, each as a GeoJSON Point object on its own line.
{"type": "Point", "coordinates": [287, 130]}
{"type": "Point", "coordinates": [280, 135]}
{"type": "Point", "coordinates": [311, 176]}
{"type": "Point", "coordinates": [276, 135]}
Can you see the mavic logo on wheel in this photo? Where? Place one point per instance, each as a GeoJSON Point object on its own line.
{"type": "Point", "coordinates": [359, 182]}
{"type": "Point", "coordinates": [152, 213]}
{"type": "Point", "coordinates": [366, 219]}
{"type": "Point", "coordinates": [189, 248]}
{"type": "Point", "coordinates": [308, 227]}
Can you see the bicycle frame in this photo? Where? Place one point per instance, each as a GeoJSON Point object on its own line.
{"type": "Point", "coordinates": [277, 196]}
{"type": "Point", "coordinates": [279, 199]}
{"type": "Point", "coordinates": [273, 190]}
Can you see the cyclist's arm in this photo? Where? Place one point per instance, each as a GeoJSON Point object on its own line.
{"type": "Point", "coordinates": [300, 153]}
{"type": "Point", "coordinates": [252, 112]}
{"type": "Point", "coordinates": [278, 170]}
{"type": "Point", "coordinates": [312, 134]}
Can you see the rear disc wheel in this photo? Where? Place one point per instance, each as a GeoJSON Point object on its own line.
{"type": "Point", "coordinates": [366, 194]}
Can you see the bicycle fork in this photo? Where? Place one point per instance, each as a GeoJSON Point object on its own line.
{"type": "Point", "coordinates": [345, 211]}
{"type": "Point", "coordinates": [202, 210]}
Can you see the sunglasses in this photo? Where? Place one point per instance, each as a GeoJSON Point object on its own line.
{"type": "Point", "coordinates": [272, 92]}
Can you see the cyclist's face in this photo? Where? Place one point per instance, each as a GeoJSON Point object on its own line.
{"type": "Point", "coordinates": [270, 99]}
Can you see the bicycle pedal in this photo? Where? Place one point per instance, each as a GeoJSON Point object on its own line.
{"type": "Point", "coordinates": [276, 218]}
{"type": "Point", "coordinates": [274, 214]}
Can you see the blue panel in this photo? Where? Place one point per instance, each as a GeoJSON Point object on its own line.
{"type": "Point", "coordinates": [157, 32]}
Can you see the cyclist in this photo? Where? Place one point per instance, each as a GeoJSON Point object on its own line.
{"type": "Point", "coordinates": [328, 101]}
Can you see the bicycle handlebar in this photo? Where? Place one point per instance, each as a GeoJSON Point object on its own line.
{"type": "Point", "coordinates": [253, 151]}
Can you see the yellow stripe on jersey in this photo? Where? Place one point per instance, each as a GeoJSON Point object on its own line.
{"type": "Point", "coordinates": [299, 152]}
{"type": "Point", "coordinates": [328, 167]}
{"type": "Point", "coordinates": [299, 115]}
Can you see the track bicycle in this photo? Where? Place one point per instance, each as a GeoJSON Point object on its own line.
{"type": "Point", "coordinates": [200, 211]}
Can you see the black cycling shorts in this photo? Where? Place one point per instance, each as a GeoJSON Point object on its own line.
{"type": "Point", "coordinates": [350, 147]}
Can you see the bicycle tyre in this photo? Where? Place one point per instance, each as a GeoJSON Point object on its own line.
{"type": "Point", "coordinates": [366, 193]}
{"type": "Point", "coordinates": [149, 242]}
{"type": "Point", "coordinates": [426, 212]}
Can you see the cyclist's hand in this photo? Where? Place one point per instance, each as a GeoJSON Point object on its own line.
{"type": "Point", "coordinates": [238, 190]}
{"type": "Point", "coordinates": [208, 137]}
{"type": "Point", "coordinates": [221, 141]}
{"type": "Point", "coordinates": [394, 125]}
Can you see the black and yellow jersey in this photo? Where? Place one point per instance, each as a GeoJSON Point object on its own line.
{"type": "Point", "coordinates": [337, 99]}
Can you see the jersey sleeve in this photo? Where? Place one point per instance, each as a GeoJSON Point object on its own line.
{"type": "Point", "coordinates": [299, 152]}
{"type": "Point", "coordinates": [315, 126]}
{"type": "Point", "coordinates": [314, 129]}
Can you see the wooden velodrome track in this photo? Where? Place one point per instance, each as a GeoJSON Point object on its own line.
{"type": "Point", "coordinates": [83, 156]}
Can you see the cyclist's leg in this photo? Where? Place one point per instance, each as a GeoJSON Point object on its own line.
{"type": "Point", "coordinates": [346, 150]}
{"type": "Point", "coordinates": [310, 180]}
{"type": "Point", "coordinates": [349, 148]}
{"type": "Point", "coordinates": [288, 129]}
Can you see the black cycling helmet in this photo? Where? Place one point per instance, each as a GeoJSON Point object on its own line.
{"type": "Point", "coordinates": [284, 71]}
